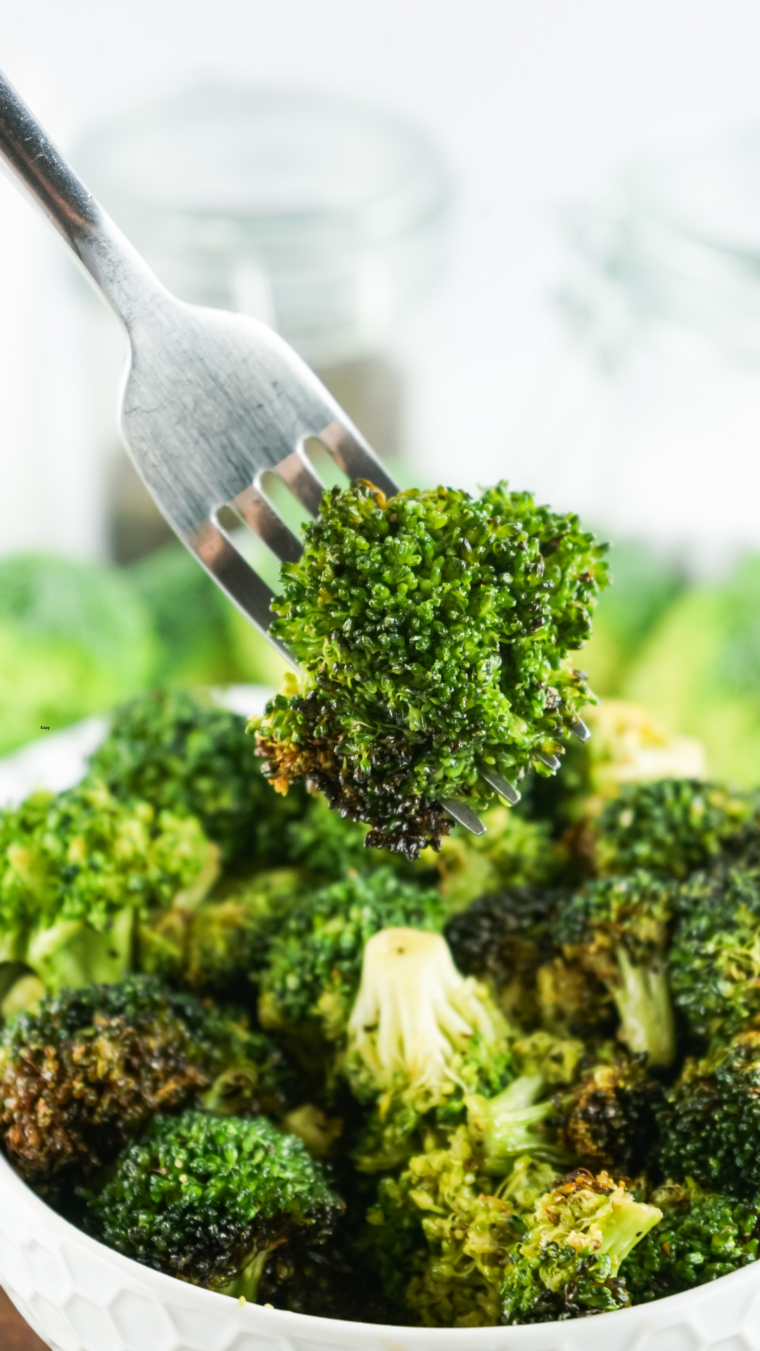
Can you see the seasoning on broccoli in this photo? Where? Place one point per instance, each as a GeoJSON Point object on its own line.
{"type": "Point", "coordinates": [670, 827]}
{"type": "Point", "coordinates": [710, 1122]}
{"type": "Point", "coordinates": [219, 1202]}
{"type": "Point", "coordinates": [617, 927]}
{"type": "Point", "coordinates": [607, 1119]}
{"type": "Point", "coordinates": [714, 959]}
{"type": "Point", "coordinates": [315, 961]}
{"type": "Point", "coordinates": [85, 1072]}
{"type": "Point", "coordinates": [433, 634]}
{"type": "Point", "coordinates": [702, 1235]}
{"type": "Point", "coordinates": [78, 870]}
{"type": "Point", "coordinates": [177, 751]}
{"type": "Point", "coordinates": [577, 1237]}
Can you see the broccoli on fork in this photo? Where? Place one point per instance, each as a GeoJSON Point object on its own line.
{"type": "Point", "coordinates": [433, 633]}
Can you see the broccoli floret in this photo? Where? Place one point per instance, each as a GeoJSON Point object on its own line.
{"type": "Point", "coordinates": [577, 1237]}
{"type": "Point", "coordinates": [78, 870]}
{"type": "Point", "coordinates": [85, 1072]}
{"type": "Point", "coordinates": [315, 961]}
{"type": "Point", "coordinates": [433, 634]}
{"type": "Point", "coordinates": [513, 853]}
{"type": "Point", "coordinates": [617, 928]}
{"type": "Point", "coordinates": [714, 959]}
{"type": "Point", "coordinates": [670, 827]}
{"type": "Point", "coordinates": [223, 1203]}
{"type": "Point", "coordinates": [702, 1235]}
{"type": "Point", "coordinates": [503, 939]}
{"type": "Point", "coordinates": [177, 751]}
{"type": "Point", "coordinates": [608, 1119]}
{"type": "Point", "coordinates": [710, 1121]}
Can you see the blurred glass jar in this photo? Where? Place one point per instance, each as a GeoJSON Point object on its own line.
{"type": "Point", "coordinates": [325, 218]}
{"type": "Point", "coordinates": [651, 424]}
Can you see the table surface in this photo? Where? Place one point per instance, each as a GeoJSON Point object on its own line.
{"type": "Point", "coordinates": [15, 1334]}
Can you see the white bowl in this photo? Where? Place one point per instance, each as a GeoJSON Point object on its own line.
{"type": "Point", "coordinates": [80, 1296]}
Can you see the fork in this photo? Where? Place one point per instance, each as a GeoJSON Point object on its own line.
{"type": "Point", "coordinates": [211, 401]}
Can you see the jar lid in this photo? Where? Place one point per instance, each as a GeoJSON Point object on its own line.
{"type": "Point", "coordinates": [322, 215]}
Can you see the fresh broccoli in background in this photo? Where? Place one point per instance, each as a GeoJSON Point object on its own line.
{"type": "Point", "coordinates": [433, 634]}
{"type": "Point", "coordinates": [315, 961]}
{"type": "Point", "coordinates": [670, 827]}
{"type": "Point", "coordinates": [78, 869]}
{"type": "Point", "coordinates": [710, 1121]}
{"type": "Point", "coordinates": [75, 640]}
{"type": "Point", "coordinates": [577, 1237]}
{"type": "Point", "coordinates": [223, 1203]}
{"type": "Point", "coordinates": [714, 959]}
{"type": "Point", "coordinates": [87, 1070]}
{"type": "Point", "coordinates": [174, 749]}
{"type": "Point", "coordinates": [608, 1118]}
{"type": "Point", "coordinates": [513, 852]}
{"type": "Point", "coordinates": [617, 928]}
{"type": "Point", "coordinates": [702, 1235]}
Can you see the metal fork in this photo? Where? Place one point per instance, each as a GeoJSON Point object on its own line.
{"type": "Point", "coordinates": [211, 401]}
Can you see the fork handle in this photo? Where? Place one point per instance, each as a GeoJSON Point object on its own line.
{"type": "Point", "coordinates": [39, 168]}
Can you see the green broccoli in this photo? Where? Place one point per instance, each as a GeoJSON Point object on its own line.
{"type": "Point", "coordinates": [223, 1203]}
{"type": "Point", "coordinates": [670, 827]}
{"type": "Point", "coordinates": [315, 961]}
{"type": "Point", "coordinates": [567, 1264]}
{"type": "Point", "coordinates": [702, 1235]}
{"type": "Point", "coordinates": [714, 959]}
{"type": "Point", "coordinates": [608, 1118]}
{"type": "Point", "coordinates": [174, 749]}
{"type": "Point", "coordinates": [75, 640]}
{"type": "Point", "coordinates": [710, 1121]}
{"type": "Point", "coordinates": [512, 853]}
{"type": "Point", "coordinates": [617, 928]}
{"type": "Point", "coordinates": [78, 870]}
{"type": "Point", "coordinates": [433, 634]}
{"type": "Point", "coordinates": [86, 1071]}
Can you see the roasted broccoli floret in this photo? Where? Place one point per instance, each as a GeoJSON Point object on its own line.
{"type": "Point", "coordinates": [85, 1072]}
{"type": "Point", "coordinates": [433, 634]}
{"type": "Point", "coordinates": [617, 928]}
{"type": "Point", "coordinates": [79, 869]}
{"type": "Point", "coordinates": [670, 827]}
{"type": "Point", "coordinates": [702, 1235]}
{"type": "Point", "coordinates": [714, 959]}
{"type": "Point", "coordinates": [224, 1203]}
{"type": "Point", "coordinates": [577, 1237]}
{"type": "Point", "coordinates": [607, 1119]}
{"type": "Point", "coordinates": [315, 961]}
{"type": "Point", "coordinates": [512, 853]}
{"type": "Point", "coordinates": [177, 751]}
{"type": "Point", "coordinates": [710, 1121]}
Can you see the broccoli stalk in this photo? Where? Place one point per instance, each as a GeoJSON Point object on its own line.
{"type": "Point", "coordinates": [228, 1204]}
{"type": "Point", "coordinates": [617, 929]}
{"type": "Point", "coordinates": [503, 1127]}
{"type": "Point", "coordinates": [578, 1235]}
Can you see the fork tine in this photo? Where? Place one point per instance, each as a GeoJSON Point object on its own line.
{"type": "Point", "coordinates": [302, 479]}
{"type": "Point", "coordinates": [463, 815]}
{"type": "Point", "coordinates": [580, 730]}
{"type": "Point", "coordinates": [502, 786]}
{"type": "Point", "coordinates": [260, 515]}
{"type": "Point", "coordinates": [354, 456]}
{"type": "Point", "coordinates": [237, 579]}
{"type": "Point", "coordinates": [551, 761]}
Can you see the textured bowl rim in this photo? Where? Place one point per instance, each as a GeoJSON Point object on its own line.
{"type": "Point", "coordinates": [331, 1331]}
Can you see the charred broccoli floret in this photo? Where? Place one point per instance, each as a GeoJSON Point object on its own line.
{"type": "Point", "coordinates": [433, 634]}
{"type": "Point", "coordinates": [85, 1072]}
{"type": "Point", "coordinates": [315, 961]}
{"type": "Point", "coordinates": [223, 1203]}
{"type": "Point", "coordinates": [78, 870]}
{"type": "Point", "coordinates": [702, 1235]}
{"type": "Point", "coordinates": [670, 827]}
{"type": "Point", "coordinates": [607, 1119]}
{"type": "Point", "coordinates": [617, 928]}
{"type": "Point", "coordinates": [710, 1121]}
{"type": "Point", "coordinates": [577, 1237]}
{"type": "Point", "coordinates": [177, 751]}
{"type": "Point", "coordinates": [714, 959]}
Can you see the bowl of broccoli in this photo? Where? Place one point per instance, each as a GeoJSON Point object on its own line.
{"type": "Point", "coordinates": [266, 1083]}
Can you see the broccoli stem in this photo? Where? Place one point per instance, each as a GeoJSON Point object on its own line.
{"type": "Point", "coordinates": [624, 1228]}
{"type": "Point", "coordinates": [504, 1126]}
{"type": "Point", "coordinates": [643, 1002]}
{"type": "Point", "coordinates": [246, 1284]}
{"type": "Point", "coordinates": [70, 953]}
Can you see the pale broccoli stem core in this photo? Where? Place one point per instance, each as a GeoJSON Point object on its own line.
{"type": "Point", "coordinates": [643, 1002]}
{"type": "Point", "coordinates": [504, 1126]}
{"type": "Point", "coordinates": [414, 1011]}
